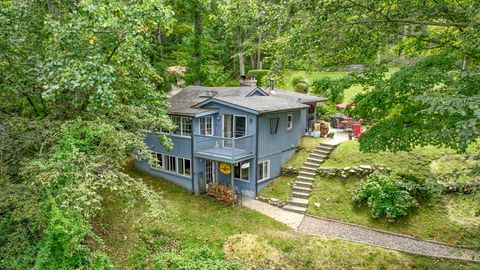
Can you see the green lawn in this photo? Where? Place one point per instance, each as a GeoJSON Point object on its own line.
{"type": "Point", "coordinates": [444, 219]}
{"type": "Point", "coordinates": [311, 76]}
{"type": "Point", "coordinates": [196, 221]}
{"type": "Point", "coordinates": [279, 187]}
{"type": "Point", "coordinates": [315, 75]}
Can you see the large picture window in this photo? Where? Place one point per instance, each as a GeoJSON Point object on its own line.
{"type": "Point", "coordinates": [206, 125]}
{"type": "Point", "coordinates": [241, 171]}
{"type": "Point", "coordinates": [263, 169]}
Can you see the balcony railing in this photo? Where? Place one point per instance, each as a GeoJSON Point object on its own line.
{"type": "Point", "coordinates": [225, 149]}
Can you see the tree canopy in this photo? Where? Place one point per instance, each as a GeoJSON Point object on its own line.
{"type": "Point", "coordinates": [80, 79]}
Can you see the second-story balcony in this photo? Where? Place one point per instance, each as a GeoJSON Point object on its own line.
{"type": "Point", "coordinates": [231, 150]}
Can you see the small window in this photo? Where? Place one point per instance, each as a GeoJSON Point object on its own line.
{"type": "Point", "coordinates": [241, 171]}
{"type": "Point", "coordinates": [263, 170]}
{"type": "Point", "coordinates": [289, 121]}
{"type": "Point", "coordinates": [274, 125]}
{"type": "Point", "coordinates": [184, 125]}
{"type": "Point", "coordinates": [206, 125]}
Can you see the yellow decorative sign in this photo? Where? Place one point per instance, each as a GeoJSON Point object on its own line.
{"type": "Point", "coordinates": [225, 168]}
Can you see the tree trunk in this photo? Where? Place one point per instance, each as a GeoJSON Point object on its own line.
{"type": "Point", "coordinates": [241, 64]}
{"type": "Point", "coordinates": [252, 61]}
{"type": "Point", "coordinates": [197, 41]}
{"type": "Point", "coordinates": [259, 52]}
{"type": "Point", "coordinates": [241, 57]}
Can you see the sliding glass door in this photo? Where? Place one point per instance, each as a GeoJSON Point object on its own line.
{"type": "Point", "coordinates": [234, 126]}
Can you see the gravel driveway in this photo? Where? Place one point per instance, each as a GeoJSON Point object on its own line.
{"type": "Point", "coordinates": [335, 229]}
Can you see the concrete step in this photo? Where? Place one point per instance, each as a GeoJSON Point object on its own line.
{"type": "Point", "coordinates": [298, 202]}
{"type": "Point", "coordinates": [310, 164]}
{"type": "Point", "coordinates": [307, 173]}
{"type": "Point", "coordinates": [321, 152]}
{"type": "Point", "coordinates": [315, 160]}
{"type": "Point", "coordinates": [296, 209]}
{"type": "Point", "coordinates": [301, 195]}
{"type": "Point", "coordinates": [305, 178]}
{"type": "Point", "coordinates": [301, 189]}
{"type": "Point", "coordinates": [304, 184]}
{"type": "Point", "coordinates": [308, 170]}
{"type": "Point", "coordinates": [319, 156]}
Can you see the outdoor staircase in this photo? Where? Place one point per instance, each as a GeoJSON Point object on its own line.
{"type": "Point", "coordinates": [301, 188]}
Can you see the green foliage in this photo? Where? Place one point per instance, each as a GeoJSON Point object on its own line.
{"type": "Point", "coordinates": [193, 259]}
{"type": "Point", "coordinates": [422, 103]}
{"type": "Point", "coordinates": [301, 88]}
{"type": "Point", "coordinates": [333, 89]}
{"type": "Point", "coordinates": [386, 195]}
{"type": "Point", "coordinates": [260, 75]}
{"type": "Point", "coordinates": [299, 79]}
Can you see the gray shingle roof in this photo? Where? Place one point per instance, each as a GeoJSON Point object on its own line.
{"type": "Point", "coordinates": [184, 102]}
{"type": "Point", "coordinates": [264, 104]}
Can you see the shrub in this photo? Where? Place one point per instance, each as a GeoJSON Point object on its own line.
{"type": "Point", "coordinates": [299, 79]}
{"type": "Point", "coordinates": [260, 75]}
{"type": "Point", "coordinates": [386, 195]}
{"type": "Point", "coordinates": [301, 88]}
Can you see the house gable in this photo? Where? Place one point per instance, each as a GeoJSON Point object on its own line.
{"type": "Point", "coordinates": [224, 103]}
{"type": "Point", "coordinates": [257, 92]}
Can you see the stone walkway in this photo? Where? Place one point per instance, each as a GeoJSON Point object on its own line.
{"type": "Point", "coordinates": [291, 219]}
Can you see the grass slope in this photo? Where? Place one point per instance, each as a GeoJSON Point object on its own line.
{"type": "Point", "coordinates": [444, 219]}
{"type": "Point", "coordinates": [289, 252]}
{"type": "Point", "coordinates": [200, 221]}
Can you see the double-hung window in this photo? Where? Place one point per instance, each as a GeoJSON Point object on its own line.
{"type": "Point", "coordinates": [241, 171]}
{"type": "Point", "coordinates": [289, 121]}
{"type": "Point", "coordinates": [184, 125]}
{"type": "Point", "coordinates": [206, 125]}
{"type": "Point", "coordinates": [263, 169]}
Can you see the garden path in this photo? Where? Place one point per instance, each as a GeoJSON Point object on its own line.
{"type": "Point", "coordinates": [353, 232]}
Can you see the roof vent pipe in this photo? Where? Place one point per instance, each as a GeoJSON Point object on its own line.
{"type": "Point", "coordinates": [272, 86]}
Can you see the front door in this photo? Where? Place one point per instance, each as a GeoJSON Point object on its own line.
{"type": "Point", "coordinates": [210, 171]}
{"type": "Point", "coordinates": [234, 126]}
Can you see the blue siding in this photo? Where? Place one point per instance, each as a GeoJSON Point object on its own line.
{"type": "Point", "coordinates": [284, 139]}
{"type": "Point", "coordinates": [181, 148]}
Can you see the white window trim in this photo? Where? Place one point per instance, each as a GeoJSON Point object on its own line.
{"type": "Point", "coordinates": [268, 171]}
{"type": "Point", "coordinates": [240, 179]}
{"type": "Point", "coordinates": [200, 125]}
{"type": "Point", "coordinates": [290, 123]}
{"type": "Point", "coordinates": [166, 157]}
{"type": "Point", "coordinates": [235, 115]}
{"type": "Point", "coordinates": [180, 127]}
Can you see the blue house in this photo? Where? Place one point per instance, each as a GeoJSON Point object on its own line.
{"type": "Point", "coordinates": [236, 136]}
